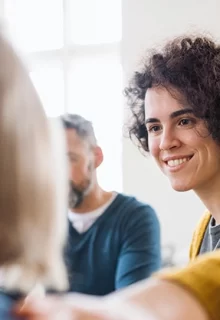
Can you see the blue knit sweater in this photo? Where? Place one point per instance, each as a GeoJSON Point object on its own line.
{"type": "Point", "coordinates": [120, 248]}
{"type": "Point", "coordinates": [6, 307]}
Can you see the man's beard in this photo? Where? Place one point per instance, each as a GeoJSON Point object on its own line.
{"type": "Point", "coordinates": [77, 194]}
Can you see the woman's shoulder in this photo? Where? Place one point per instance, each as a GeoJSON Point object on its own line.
{"type": "Point", "coordinates": [198, 235]}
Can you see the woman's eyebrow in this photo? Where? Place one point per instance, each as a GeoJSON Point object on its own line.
{"type": "Point", "coordinates": [172, 115]}
{"type": "Point", "coordinates": [180, 112]}
{"type": "Point", "coordinates": [150, 120]}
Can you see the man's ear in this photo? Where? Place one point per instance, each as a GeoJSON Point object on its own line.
{"type": "Point", "coordinates": [98, 156]}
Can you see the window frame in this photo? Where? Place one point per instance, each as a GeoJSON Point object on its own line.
{"type": "Point", "coordinates": [65, 55]}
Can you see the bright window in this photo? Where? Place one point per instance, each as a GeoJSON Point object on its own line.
{"type": "Point", "coordinates": [73, 51]}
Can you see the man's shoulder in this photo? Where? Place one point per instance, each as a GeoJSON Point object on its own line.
{"type": "Point", "coordinates": [132, 205]}
{"type": "Point", "coordinates": [133, 201]}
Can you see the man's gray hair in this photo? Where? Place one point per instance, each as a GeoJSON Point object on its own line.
{"type": "Point", "coordinates": [83, 127]}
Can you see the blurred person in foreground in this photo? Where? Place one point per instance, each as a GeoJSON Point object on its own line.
{"type": "Point", "coordinates": [33, 189]}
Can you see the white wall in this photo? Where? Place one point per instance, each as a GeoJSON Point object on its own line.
{"type": "Point", "coordinates": [146, 22]}
{"type": "Point", "coordinates": [1, 8]}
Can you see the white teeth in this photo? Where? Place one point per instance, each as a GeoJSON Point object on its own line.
{"type": "Point", "coordinates": [176, 162]}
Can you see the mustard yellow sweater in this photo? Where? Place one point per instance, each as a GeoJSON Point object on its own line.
{"type": "Point", "coordinates": [198, 236]}
{"type": "Point", "coordinates": [202, 276]}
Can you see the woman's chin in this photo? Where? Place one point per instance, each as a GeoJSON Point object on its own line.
{"type": "Point", "coordinates": [180, 187]}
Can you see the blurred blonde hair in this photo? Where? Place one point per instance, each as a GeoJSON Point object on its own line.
{"type": "Point", "coordinates": [33, 183]}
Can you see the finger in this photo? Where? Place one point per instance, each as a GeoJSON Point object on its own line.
{"type": "Point", "coordinates": [57, 309]}
{"type": "Point", "coordinates": [39, 306]}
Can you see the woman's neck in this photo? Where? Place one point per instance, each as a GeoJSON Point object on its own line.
{"type": "Point", "coordinates": [210, 196]}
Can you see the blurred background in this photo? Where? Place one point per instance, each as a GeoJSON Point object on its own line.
{"type": "Point", "coordinates": [80, 54]}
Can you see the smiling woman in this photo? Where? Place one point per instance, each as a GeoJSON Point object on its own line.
{"type": "Point", "coordinates": [180, 143]}
{"type": "Point", "coordinates": [174, 101]}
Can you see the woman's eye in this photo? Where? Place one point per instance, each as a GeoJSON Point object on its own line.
{"type": "Point", "coordinates": [185, 122]}
{"type": "Point", "coordinates": [154, 128]}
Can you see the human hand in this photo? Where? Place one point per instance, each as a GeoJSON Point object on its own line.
{"type": "Point", "coordinates": [79, 307]}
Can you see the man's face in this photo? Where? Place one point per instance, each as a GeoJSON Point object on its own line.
{"type": "Point", "coordinates": [82, 168]}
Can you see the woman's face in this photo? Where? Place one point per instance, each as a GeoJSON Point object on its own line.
{"type": "Point", "coordinates": [180, 143]}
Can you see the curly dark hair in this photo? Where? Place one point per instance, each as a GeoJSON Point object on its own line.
{"type": "Point", "coordinates": [190, 66]}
